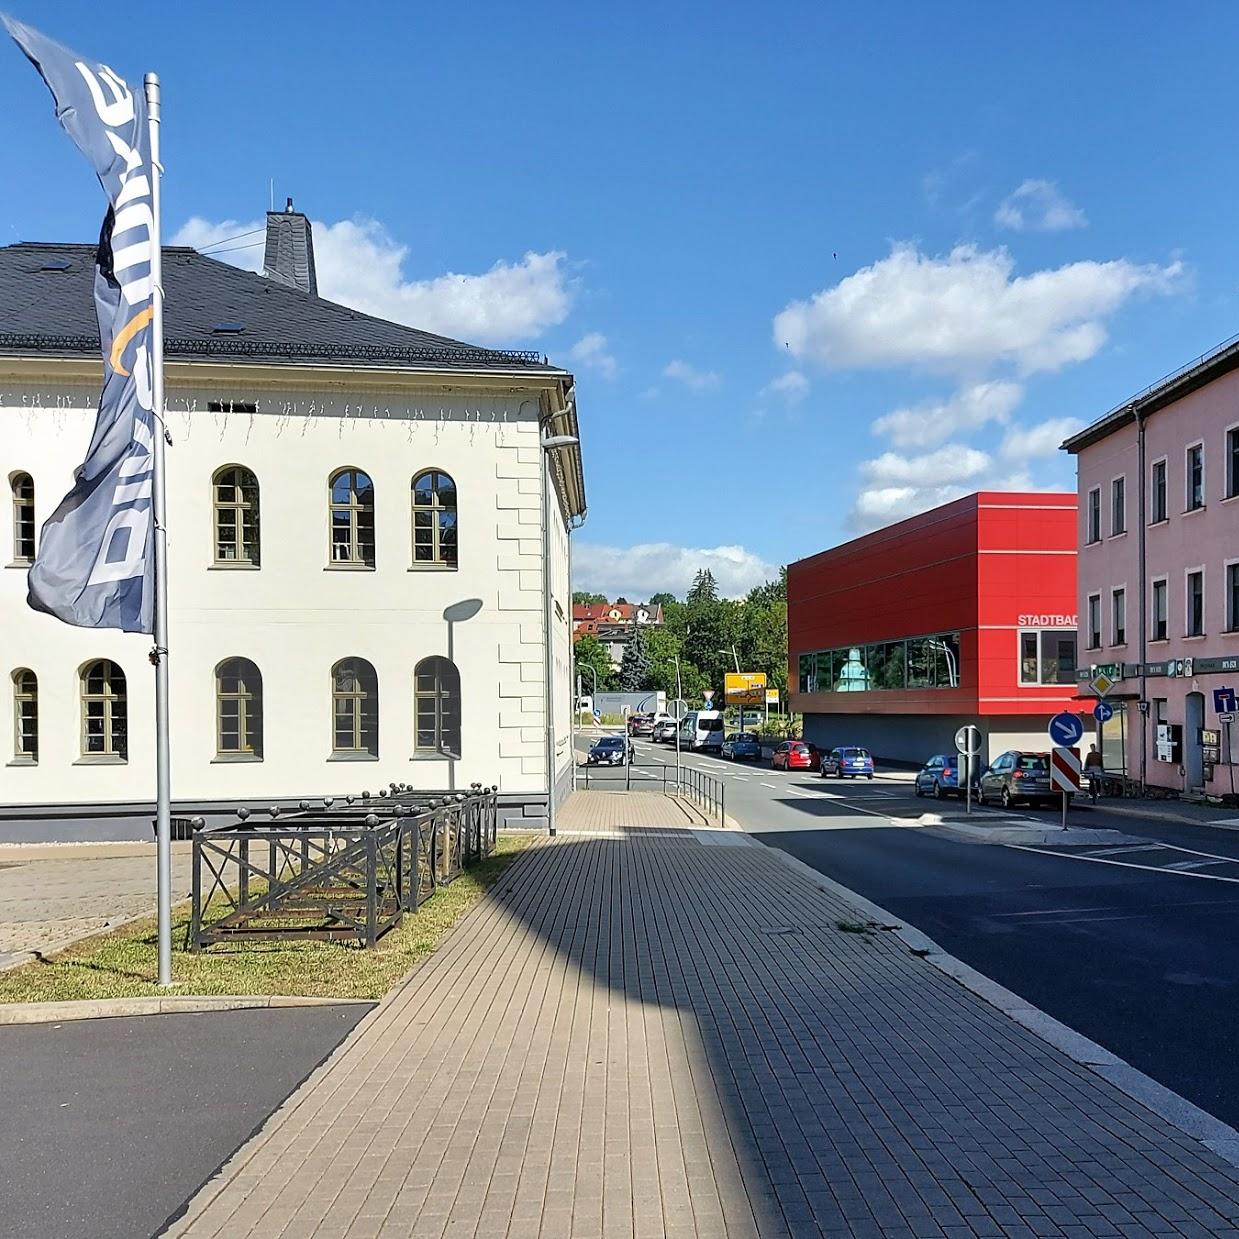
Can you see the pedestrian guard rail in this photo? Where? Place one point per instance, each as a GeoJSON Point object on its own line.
{"type": "Point", "coordinates": [345, 869]}
{"type": "Point", "coordinates": [705, 790]}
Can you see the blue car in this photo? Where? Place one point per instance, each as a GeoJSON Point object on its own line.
{"type": "Point", "coordinates": [742, 746]}
{"type": "Point", "coordinates": [940, 776]}
{"type": "Point", "coordinates": [847, 763]}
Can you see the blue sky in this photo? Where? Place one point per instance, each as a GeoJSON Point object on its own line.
{"type": "Point", "coordinates": [759, 235]}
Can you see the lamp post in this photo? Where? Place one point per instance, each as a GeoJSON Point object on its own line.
{"type": "Point", "coordinates": [679, 696]}
{"type": "Point", "coordinates": [549, 444]}
{"type": "Point", "coordinates": [731, 649]}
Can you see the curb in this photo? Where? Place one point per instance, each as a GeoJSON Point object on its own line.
{"type": "Point", "coordinates": [1156, 815]}
{"type": "Point", "coordinates": [114, 1008]}
{"type": "Point", "coordinates": [1220, 1138]}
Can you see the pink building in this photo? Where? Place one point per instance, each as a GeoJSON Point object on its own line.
{"type": "Point", "coordinates": [1159, 573]}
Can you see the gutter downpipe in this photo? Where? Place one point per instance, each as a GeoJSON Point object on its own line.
{"type": "Point", "coordinates": [1142, 575]}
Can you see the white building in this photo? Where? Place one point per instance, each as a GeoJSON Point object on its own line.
{"type": "Point", "coordinates": [337, 484]}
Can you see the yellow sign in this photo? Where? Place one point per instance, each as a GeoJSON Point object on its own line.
{"type": "Point", "coordinates": [748, 688]}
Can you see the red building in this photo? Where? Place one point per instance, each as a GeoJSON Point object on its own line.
{"type": "Point", "coordinates": [963, 614]}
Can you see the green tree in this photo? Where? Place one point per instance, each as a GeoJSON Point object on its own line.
{"type": "Point", "coordinates": [703, 589]}
{"type": "Point", "coordinates": [661, 600]}
{"type": "Point", "coordinates": [590, 652]}
{"type": "Point", "coordinates": [635, 666]}
{"type": "Point", "coordinates": [583, 598]}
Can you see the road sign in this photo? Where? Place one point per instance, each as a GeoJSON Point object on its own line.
{"type": "Point", "coordinates": [1066, 728]}
{"type": "Point", "coordinates": [1101, 683]}
{"type": "Point", "coordinates": [1064, 770]}
{"type": "Point", "coordinates": [708, 698]}
{"type": "Point", "coordinates": [678, 709]}
{"type": "Point", "coordinates": [745, 688]}
{"type": "Point", "coordinates": [968, 740]}
{"type": "Point", "coordinates": [772, 696]}
{"type": "Point", "coordinates": [1103, 711]}
{"type": "Point", "coordinates": [1227, 716]}
{"type": "Point", "coordinates": [1224, 701]}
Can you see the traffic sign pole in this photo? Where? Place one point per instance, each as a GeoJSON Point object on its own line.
{"type": "Point", "coordinates": [968, 744]}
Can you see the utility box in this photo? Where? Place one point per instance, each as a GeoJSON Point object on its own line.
{"type": "Point", "coordinates": [1169, 742]}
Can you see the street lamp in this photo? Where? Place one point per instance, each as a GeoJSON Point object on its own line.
{"type": "Point", "coordinates": [549, 444]}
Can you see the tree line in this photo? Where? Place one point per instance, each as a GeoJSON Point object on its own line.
{"type": "Point", "coordinates": [700, 630]}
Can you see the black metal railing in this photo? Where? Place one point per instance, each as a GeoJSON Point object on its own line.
{"type": "Point", "coordinates": [703, 789]}
{"type": "Point", "coordinates": [347, 868]}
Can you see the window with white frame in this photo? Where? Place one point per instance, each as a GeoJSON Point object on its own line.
{"type": "Point", "coordinates": [1094, 515]}
{"type": "Point", "coordinates": [1118, 506]}
{"type": "Point", "coordinates": [1118, 617]}
{"type": "Point", "coordinates": [22, 485]}
{"type": "Point", "coordinates": [1232, 597]}
{"type": "Point", "coordinates": [1194, 609]}
{"type": "Point", "coordinates": [1159, 618]}
{"type": "Point", "coordinates": [1048, 656]}
{"type": "Point", "coordinates": [1157, 493]}
{"type": "Point", "coordinates": [1194, 479]}
{"type": "Point", "coordinates": [1094, 621]}
{"type": "Point", "coordinates": [352, 518]}
{"type": "Point", "coordinates": [25, 715]}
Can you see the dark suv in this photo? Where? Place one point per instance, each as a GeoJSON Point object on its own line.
{"type": "Point", "coordinates": [1018, 776]}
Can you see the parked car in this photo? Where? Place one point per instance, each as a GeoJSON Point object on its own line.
{"type": "Point", "coordinates": [847, 763]}
{"type": "Point", "coordinates": [665, 729]}
{"type": "Point", "coordinates": [940, 776]}
{"type": "Point", "coordinates": [795, 755]}
{"type": "Point", "coordinates": [641, 725]}
{"type": "Point", "coordinates": [742, 746]}
{"type": "Point", "coordinates": [702, 731]}
{"type": "Point", "coordinates": [610, 751]}
{"type": "Point", "coordinates": [1018, 776]}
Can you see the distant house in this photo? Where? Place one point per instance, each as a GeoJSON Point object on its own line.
{"type": "Point", "coordinates": [613, 623]}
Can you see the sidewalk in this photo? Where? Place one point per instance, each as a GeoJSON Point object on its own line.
{"type": "Point", "coordinates": [674, 1033]}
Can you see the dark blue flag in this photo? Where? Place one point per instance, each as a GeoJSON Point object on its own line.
{"type": "Point", "coordinates": [95, 561]}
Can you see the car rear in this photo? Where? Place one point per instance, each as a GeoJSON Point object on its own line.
{"type": "Point", "coordinates": [801, 757]}
{"type": "Point", "coordinates": [855, 762]}
{"type": "Point", "coordinates": [1030, 780]}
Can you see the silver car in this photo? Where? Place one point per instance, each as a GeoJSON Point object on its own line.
{"type": "Point", "coordinates": [665, 729]}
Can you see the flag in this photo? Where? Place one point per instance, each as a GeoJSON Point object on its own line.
{"type": "Point", "coordinates": [95, 560]}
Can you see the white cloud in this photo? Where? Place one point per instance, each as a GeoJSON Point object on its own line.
{"type": "Point", "coordinates": [1038, 206]}
{"type": "Point", "coordinates": [1044, 439]}
{"type": "Point", "coordinates": [964, 312]}
{"type": "Point", "coordinates": [690, 376]}
{"type": "Point", "coordinates": [240, 244]}
{"type": "Point", "coordinates": [970, 408]}
{"type": "Point", "coordinates": [360, 265]}
{"type": "Point", "coordinates": [591, 352]}
{"type": "Point", "coordinates": [951, 463]}
{"type": "Point", "coordinates": [654, 567]}
{"type": "Point", "coordinates": [792, 387]}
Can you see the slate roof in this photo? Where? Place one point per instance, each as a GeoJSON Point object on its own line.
{"type": "Point", "coordinates": [47, 307]}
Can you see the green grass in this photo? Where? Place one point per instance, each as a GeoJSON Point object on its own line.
{"type": "Point", "coordinates": [124, 964]}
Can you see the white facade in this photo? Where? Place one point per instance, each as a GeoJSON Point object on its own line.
{"type": "Point", "coordinates": [296, 614]}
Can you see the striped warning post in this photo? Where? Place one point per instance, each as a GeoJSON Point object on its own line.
{"type": "Point", "coordinates": [1064, 770]}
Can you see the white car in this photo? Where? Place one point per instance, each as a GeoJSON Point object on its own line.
{"type": "Point", "coordinates": [664, 730]}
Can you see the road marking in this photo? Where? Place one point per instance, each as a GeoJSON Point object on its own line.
{"type": "Point", "coordinates": [771, 786]}
{"type": "Point", "coordinates": [1125, 864]}
{"type": "Point", "coordinates": [740, 778]}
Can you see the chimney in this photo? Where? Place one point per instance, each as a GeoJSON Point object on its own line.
{"type": "Point", "coordinates": [289, 257]}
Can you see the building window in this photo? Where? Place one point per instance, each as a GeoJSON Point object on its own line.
{"type": "Point", "coordinates": [1195, 603]}
{"type": "Point", "coordinates": [352, 518]}
{"type": "Point", "coordinates": [805, 668]}
{"type": "Point", "coordinates": [1232, 462]}
{"type": "Point", "coordinates": [25, 715]}
{"type": "Point", "coordinates": [1195, 480]}
{"type": "Point", "coordinates": [823, 671]}
{"type": "Point", "coordinates": [436, 707]}
{"type": "Point", "coordinates": [1159, 709]}
{"type": "Point", "coordinates": [1118, 617]}
{"type": "Point", "coordinates": [1047, 656]}
{"type": "Point", "coordinates": [235, 499]}
{"type": "Point", "coordinates": [1094, 621]}
{"type": "Point", "coordinates": [434, 519]}
{"type": "Point", "coordinates": [354, 708]}
{"type": "Point", "coordinates": [1161, 611]}
{"type": "Point", "coordinates": [23, 518]}
{"type": "Point", "coordinates": [238, 709]}
{"type": "Point", "coordinates": [1232, 597]}
{"type": "Point", "coordinates": [1118, 506]}
{"type": "Point", "coordinates": [1157, 499]}
{"type": "Point", "coordinates": [1094, 514]}
{"type": "Point", "coordinates": [105, 731]}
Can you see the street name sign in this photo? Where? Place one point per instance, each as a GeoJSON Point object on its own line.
{"type": "Point", "coordinates": [1064, 770]}
{"type": "Point", "coordinates": [1066, 729]}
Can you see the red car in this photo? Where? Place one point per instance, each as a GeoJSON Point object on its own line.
{"type": "Point", "coordinates": [796, 755]}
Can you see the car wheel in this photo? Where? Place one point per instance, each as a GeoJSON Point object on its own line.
{"type": "Point", "coordinates": [1006, 797]}
{"type": "Point", "coordinates": [937, 792]}
{"type": "Point", "coordinates": [869, 776]}
{"type": "Point", "coordinates": [916, 788]}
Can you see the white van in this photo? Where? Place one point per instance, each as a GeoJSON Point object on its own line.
{"type": "Point", "coordinates": [702, 731]}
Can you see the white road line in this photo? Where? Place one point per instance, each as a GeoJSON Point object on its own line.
{"type": "Point", "coordinates": [771, 786]}
{"type": "Point", "coordinates": [1123, 864]}
{"type": "Point", "coordinates": [740, 778]}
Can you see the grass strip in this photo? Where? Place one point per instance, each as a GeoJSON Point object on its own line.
{"type": "Point", "coordinates": [124, 964]}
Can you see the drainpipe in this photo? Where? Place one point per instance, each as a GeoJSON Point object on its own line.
{"type": "Point", "coordinates": [1142, 573]}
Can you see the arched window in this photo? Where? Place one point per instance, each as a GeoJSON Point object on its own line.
{"type": "Point", "coordinates": [235, 503]}
{"type": "Point", "coordinates": [354, 707]}
{"type": "Point", "coordinates": [23, 518]}
{"type": "Point", "coordinates": [434, 519]}
{"type": "Point", "coordinates": [25, 715]}
{"type": "Point", "coordinates": [436, 707]}
{"type": "Point", "coordinates": [238, 709]}
{"type": "Point", "coordinates": [352, 518]}
{"type": "Point", "coordinates": [105, 731]}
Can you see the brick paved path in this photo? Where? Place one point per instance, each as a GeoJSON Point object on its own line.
{"type": "Point", "coordinates": [666, 1033]}
{"type": "Point", "coordinates": [617, 811]}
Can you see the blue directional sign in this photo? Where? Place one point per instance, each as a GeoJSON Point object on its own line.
{"type": "Point", "coordinates": [1224, 700]}
{"type": "Point", "coordinates": [1103, 711]}
{"type": "Point", "coordinates": [1066, 729]}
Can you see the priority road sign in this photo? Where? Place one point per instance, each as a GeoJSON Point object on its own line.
{"type": "Point", "coordinates": [1101, 683]}
{"type": "Point", "coordinates": [1066, 728]}
{"type": "Point", "coordinates": [1103, 711]}
{"type": "Point", "coordinates": [1064, 770]}
{"type": "Point", "coordinates": [1224, 701]}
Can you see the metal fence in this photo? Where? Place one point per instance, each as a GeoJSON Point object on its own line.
{"type": "Point", "coordinates": [344, 869]}
{"type": "Point", "coordinates": [703, 789]}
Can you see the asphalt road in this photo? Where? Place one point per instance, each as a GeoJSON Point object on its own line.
{"type": "Point", "coordinates": [107, 1127]}
{"type": "Point", "coordinates": [1134, 945]}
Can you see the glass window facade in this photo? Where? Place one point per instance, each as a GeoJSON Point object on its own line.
{"type": "Point", "coordinates": [1047, 656]}
{"type": "Point", "coordinates": [919, 662]}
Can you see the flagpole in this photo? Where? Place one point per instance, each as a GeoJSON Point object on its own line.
{"type": "Point", "coordinates": [159, 655]}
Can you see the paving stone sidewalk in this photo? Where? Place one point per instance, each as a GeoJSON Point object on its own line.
{"type": "Point", "coordinates": [666, 1032]}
